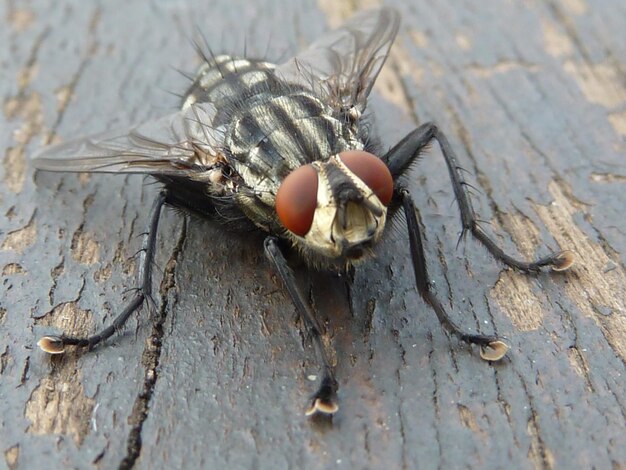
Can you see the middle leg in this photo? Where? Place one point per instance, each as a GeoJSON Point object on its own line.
{"type": "Point", "coordinates": [407, 151]}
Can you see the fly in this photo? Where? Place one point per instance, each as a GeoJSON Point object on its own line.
{"type": "Point", "coordinates": [284, 149]}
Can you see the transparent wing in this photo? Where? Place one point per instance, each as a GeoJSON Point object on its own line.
{"type": "Point", "coordinates": [344, 63]}
{"type": "Point", "coordinates": [174, 145]}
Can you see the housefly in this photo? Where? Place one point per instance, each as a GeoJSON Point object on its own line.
{"type": "Point", "coordinates": [284, 149]}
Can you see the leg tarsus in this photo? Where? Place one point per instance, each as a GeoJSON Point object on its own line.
{"type": "Point", "coordinates": [56, 344]}
{"type": "Point", "coordinates": [324, 400]}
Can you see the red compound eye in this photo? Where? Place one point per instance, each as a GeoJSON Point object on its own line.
{"type": "Point", "coordinates": [296, 200]}
{"type": "Point", "coordinates": [372, 171]}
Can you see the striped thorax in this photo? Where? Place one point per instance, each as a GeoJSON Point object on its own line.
{"type": "Point", "coordinates": [298, 158]}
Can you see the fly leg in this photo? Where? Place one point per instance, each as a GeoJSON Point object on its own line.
{"type": "Point", "coordinates": [57, 344]}
{"type": "Point", "coordinates": [325, 399]}
{"type": "Point", "coordinates": [400, 157]}
{"type": "Point", "coordinates": [492, 348]}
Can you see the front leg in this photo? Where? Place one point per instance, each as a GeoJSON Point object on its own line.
{"type": "Point", "coordinates": [407, 151]}
{"type": "Point", "coordinates": [492, 348]}
{"type": "Point", "coordinates": [57, 344]}
{"type": "Point", "coordinates": [323, 401]}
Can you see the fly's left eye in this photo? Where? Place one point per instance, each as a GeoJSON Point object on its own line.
{"type": "Point", "coordinates": [372, 171]}
{"type": "Point", "coordinates": [296, 200]}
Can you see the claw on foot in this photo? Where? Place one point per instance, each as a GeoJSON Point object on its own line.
{"type": "Point", "coordinates": [318, 405]}
{"type": "Point", "coordinates": [494, 351]}
{"type": "Point", "coordinates": [51, 345]}
{"type": "Point", "coordinates": [563, 261]}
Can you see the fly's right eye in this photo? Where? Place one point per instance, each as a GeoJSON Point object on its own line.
{"type": "Point", "coordinates": [372, 171]}
{"type": "Point", "coordinates": [296, 200]}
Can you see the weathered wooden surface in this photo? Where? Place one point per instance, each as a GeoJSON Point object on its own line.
{"type": "Point", "coordinates": [533, 97]}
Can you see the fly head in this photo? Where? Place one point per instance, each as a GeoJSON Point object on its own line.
{"type": "Point", "coordinates": [336, 208]}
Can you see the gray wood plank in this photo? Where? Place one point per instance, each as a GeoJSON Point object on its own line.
{"type": "Point", "coordinates": [532, 97]}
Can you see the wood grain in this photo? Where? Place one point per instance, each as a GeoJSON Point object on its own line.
{"type": "Point", "coordinates": [532, 96]}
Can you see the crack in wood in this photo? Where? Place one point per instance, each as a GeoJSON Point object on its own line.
{"type": "Point", "coordinates": [12, 269]}
{"type": "Point", "coordinates": [437, 411]}
{"type": "Point", "coordinates": [85, 249]}
{"type": "Point", "coordinates": [537, 451]}
{"type": "Point", "coordinates": [151, 357]}
{"type": "Point", "coordinates": [403, 437]}
{"type": "Point", "coordinates": [19, 240]}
